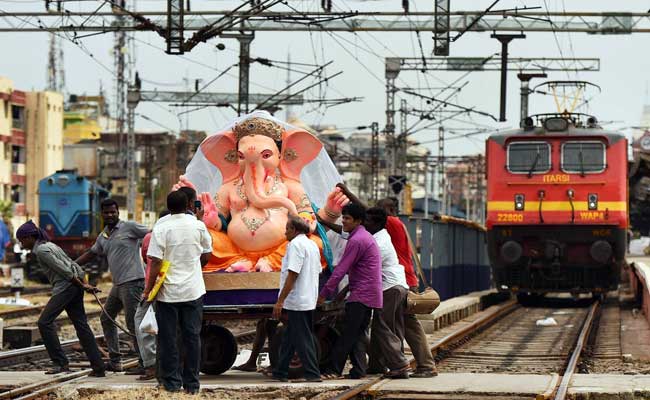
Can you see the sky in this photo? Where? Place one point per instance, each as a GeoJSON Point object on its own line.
{"type": "Point", "coordinates": [623, 77]}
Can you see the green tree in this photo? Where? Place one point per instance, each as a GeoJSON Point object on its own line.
{"type": "Point", "coordinates": [6, 209]}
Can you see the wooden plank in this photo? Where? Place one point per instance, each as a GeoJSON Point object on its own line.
{"type": "Point", "coordinates": [242, 280]}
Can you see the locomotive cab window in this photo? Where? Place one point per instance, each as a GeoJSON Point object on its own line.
{"type": "Point", "coordinates": [583, 157]}
{"type": "Point", "coordinates": [529, 157]}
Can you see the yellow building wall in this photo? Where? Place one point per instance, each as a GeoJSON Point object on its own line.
{"type": "Point", "coordinates": [77, 131]}
{"type": "Point", "coordinates": [44, 136]}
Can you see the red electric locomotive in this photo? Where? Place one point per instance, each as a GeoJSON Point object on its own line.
{"type": "Point", "coordinates": [557, 205]}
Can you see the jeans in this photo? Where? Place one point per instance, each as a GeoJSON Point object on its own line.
{"type": "Point", "coordinates": [127, 296]}
{"type": "Point", "coordinates": [72, 301]}
{"type": "Point", "coordinates": [352, 341]}
{"type": "Point", "coordinates": [298, 338]}
{"type": "Point", "coordinates": [188, 317]}
{"type": "Point", "coordinates": [146, 341]}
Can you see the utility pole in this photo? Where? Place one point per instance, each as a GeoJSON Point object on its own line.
{"type": "Point", "coordinates": [175, 26]}
{"type": "Point", "coordinates": [245, 40]}
{"type": "Point", "coordinates": [119, 66]}
{"type": "Point", "coordinates": [399, 152]}
{"type": "Point", "coordinates": [505, 40]}
{"type": "Point", "coordinates": [133, 99]}
{"type": "Point", "coordinates": [441, 29]}
{"type": "Point", "coordinates": [374, 160]}
{"type": "Point", "coordinates": [392, 70]}
{"type": "Point", "coordinates": [525, 92]}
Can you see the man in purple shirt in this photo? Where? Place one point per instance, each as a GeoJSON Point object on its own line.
{"type": "Point", "coordinates": [362, 262]}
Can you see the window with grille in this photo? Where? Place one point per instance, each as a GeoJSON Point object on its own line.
{"type": "Point", "coordinates": [583, 157]}
{"type": "Point", "coordinates": [529, 157]}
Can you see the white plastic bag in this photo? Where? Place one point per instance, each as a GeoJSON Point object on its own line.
{"type": "Point", "coordinates": [550, 321]}
{"type": "Point", "coordinates": [149, 323]}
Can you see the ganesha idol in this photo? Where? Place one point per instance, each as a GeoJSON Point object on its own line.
{"type": "Point", "coordinates": [261, 171]}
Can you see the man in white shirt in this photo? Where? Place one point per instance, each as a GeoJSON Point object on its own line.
{"type": "Point", "coordinates": [298, 295]}
{"type": "Point", "coordinates": [387, 330]}
{"type": "Point", "coordinates": [184, 241]}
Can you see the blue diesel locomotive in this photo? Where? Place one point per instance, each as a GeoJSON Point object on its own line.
{"type": "Point", "coordinates": [70, 212]}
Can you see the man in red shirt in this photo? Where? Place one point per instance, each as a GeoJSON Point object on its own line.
{"type": "Point", "coordinates": [413, 332]}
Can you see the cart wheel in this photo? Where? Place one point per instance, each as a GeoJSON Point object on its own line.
{"type": "Point", "coordinates": [327, 337]}
{"type": "Point", "coordinates": [218, 349]}
{"type": "Point", "coordinates": [295, 366]}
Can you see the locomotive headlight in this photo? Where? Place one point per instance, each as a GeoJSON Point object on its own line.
{"type": "Point", "coordinates": [592, 201]}
{"type": "Point", "coordinates": [520, 202]}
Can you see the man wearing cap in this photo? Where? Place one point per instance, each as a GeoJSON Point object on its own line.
{"type": "Point", "coordinates": [66, 278]}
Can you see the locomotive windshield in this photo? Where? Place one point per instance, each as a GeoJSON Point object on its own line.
{"type": "Point", "coordinates": [529, 157]}
{"type": "Point", "coordinates": [583, 157]}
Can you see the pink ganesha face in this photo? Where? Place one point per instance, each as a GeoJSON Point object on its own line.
{"type": "Point", "coordinates": [258, 149]}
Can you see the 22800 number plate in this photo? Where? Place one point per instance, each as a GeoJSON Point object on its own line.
{"type": "Point", "coordinates": [510, 217]}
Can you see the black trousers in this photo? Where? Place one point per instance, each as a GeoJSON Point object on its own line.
{"type": "Point", "coordinates": [188, 317]}
{"type": "Point", "coordinates": [72, 301]}
{"type": "Point", "coordinates": [353, 341]}
{"type": "Point", "coordinates": [298, 338]}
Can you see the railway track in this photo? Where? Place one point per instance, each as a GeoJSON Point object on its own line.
{"type": "Point", "coordinates": [26, 291]}
{"type": "Point", "coordinates": [42, 388]}
{"type": "Point", "coordinates": [507, 339]}
{"type": "Point", "coordinates": [517, 344]}
{"type": "Point", "coordinates": [29, 311]}
{"type": "Point", "coordinates": [462, 332]}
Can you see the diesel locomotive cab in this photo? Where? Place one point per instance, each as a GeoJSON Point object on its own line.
{"type": "Point", "coordinates": [557, 205]}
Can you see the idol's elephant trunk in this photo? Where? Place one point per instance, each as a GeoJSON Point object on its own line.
{"type": "Point", "coordinates": [254, 176]}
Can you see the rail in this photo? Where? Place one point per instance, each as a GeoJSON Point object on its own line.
{"type": "Point", "coordinates": [41, 388]}
{"type": "Point", "coordinates": [449, 339]}
{"type": "Point", "coordinates": [28, 311]}
{"type": "Point", "coordinates": [561, 387]}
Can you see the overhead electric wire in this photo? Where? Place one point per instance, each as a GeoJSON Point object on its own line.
{"type": "Point", "coordinates": [200, 63]}
{"type": "Point", "coordinates": [557, 42]}
{"type": "Point", "coordinates": [208, 84]}
{"type": "Point", "coordinates": [292, 84]}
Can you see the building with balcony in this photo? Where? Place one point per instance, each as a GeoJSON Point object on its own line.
{"type": "Point", "coordinates": [12, 149]}
{"type": "Point", "coordinates": [31, 146]}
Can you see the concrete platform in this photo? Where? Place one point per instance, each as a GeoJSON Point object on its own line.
{"type": "Point", "coordinates": [237, 384]}
{"type": "Point", "coordinates": [597, 386]}
{"type": "Point", "coordinates": [12, 379]}
{"type": "Point", "coordinates": [453, 310]}
{"type": "Point", "coordinates": [232, 380]}
{"type": "Point", "coordinates": [469, 384]}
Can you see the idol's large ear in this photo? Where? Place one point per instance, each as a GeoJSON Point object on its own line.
{"type": "Point", "coordinates": [299, 148]}
{"type": "Point", "coordinates": [221, 150]}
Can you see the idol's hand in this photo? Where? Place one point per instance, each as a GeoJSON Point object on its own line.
{"type": "Point", "coordinates": [210, 212]}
